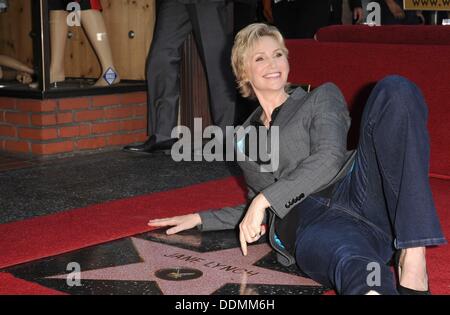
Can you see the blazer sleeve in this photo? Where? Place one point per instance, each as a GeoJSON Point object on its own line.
{"type": "Point", "coordinates": [329, 125]}
{"type": "Point", "coordinates": [225, 218]}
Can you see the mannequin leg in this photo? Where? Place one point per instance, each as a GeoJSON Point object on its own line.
{"type": "Point", "coordinates": [14, 64]}
{"type": "Point", "coordinates": [23, 74]}
{"type": "Point", "coordinates": [94, 26]}
{"type": "Point", "coordinates": [58, 37]}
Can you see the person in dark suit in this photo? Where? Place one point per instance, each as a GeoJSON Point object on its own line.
{"type": "Point", "coordinates": [355, 7]}
{"type": "Point", "coordinates": [335, 213]}
{"type": "Point", "coordinates": [302, 18]}
{"type": "Point", "coordinates": [213, 32]}
{"type": "Point", "coordinates": [392, 13]}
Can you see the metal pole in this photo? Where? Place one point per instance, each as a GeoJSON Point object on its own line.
{"type": "Point", "coordinates": [434, 18]}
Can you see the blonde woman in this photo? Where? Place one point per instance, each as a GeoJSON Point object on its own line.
{"type": "Point", "coordinates": [333, 212]}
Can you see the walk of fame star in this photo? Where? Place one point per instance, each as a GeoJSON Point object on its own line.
{"type": "Point", "coordinates": [152, 263]}
{"type": "Point", "coordinates": [218, 267]}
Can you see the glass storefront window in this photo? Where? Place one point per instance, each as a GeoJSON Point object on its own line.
{"type": "Point", "coordinates": [63, 48]}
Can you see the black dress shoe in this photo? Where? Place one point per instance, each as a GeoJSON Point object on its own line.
{"type": "Point", "coordinates": [151, 145]}
{"type": "Point", "coordinates": [401, 289]}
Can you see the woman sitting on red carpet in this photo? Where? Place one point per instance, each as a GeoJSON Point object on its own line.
{"type": "Point", "coordinates": [338, 214]}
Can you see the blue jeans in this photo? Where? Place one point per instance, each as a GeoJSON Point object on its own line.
{"type": "Point", "coordinates": [383, 204]}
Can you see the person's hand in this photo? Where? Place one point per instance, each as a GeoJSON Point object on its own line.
{"type": "Point", "coordinates": [395, 9]}
{"type": "Point", "coordinates": [358, 15]}
{"type": "Point", "coordinates": [421, 17]}
{"type": "Point", "coordinates": [250, 229]}
{"type": "Point", "coordinates": [179, 223]}
{"type": "Point", "coordinates": [24, 78]}
{"type": "Point", "coordinates": [267, 10]}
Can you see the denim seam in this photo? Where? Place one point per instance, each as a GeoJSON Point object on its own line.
{"type": "Point", "coordinates": [361, 218]}
{"type": "Point", "coordinates": [422, 241]}
{"type": "Point", "coordinates": [385, 174]}
{"type": "Point", "coordinates": [321, 201]}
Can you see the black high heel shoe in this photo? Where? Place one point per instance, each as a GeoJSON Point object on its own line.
{"type": "Point", "coordinates": [401, 289]}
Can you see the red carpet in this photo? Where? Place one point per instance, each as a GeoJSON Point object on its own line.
{"type": "Point", "coordinates": [40, 237]}
{"type": "Point", "coordinates": [9, 285]}
{"type": "Point", "coordinates": [46, 236]}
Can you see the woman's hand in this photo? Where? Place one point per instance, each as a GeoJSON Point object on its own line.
{"type": "Point", "coordinates": [179, 223]}
{"type": "Point", "coordinates": [250, 229]}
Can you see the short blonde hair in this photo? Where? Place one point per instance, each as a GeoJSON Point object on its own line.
{"type": "Point", "coordinates": [244, 41]}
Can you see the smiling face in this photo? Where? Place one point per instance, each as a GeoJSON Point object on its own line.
{"type": "Point", "coordinates": [267, 67]}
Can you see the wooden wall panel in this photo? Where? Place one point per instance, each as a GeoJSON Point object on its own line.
{"type": "Point", "coordinates": [15, 28]}
{"type": "Point", "coordinates": [194, 87]}
{"type": "Point", "coordinates": [81, 60]}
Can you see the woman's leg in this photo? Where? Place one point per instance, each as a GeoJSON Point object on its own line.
{"type": "Point", "coordinates": [389, 185]}
{"type": "Point", "coordinates": [341, 251]}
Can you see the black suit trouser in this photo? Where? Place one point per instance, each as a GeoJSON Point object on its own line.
{"type": "Point", "coordinates": [213, 34]}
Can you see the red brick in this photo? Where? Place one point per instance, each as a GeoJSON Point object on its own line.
{"type": "Point", "coordinates": [85, 130]}
{"type": "Point", "coordinates": [121, 112]}
{"type": "Point", "coordinates": [17, 146]}
{"type": "Point", "coordinates": [43, 120]}
{"type": "Point", "coordinates": [7, 103]}
{"type": "Point", "coordinates": [52, 148]}
{"type": "Point", "coordinates": [105, 100]}
{"type": "Point", "coordinates": [107, 127]}
{"type": "Point", "coordinates": [48, 105]}
{"type": "Point", "coordinates": [90, 115]}
{"type": "Point", "coordinates": [69, 132]}
{"type": "Point", "coordinates": [17, 118]}
{"type": "Point", "coordinates": [36, 106]}
{"type": "Point", "coordinates": [73, 103]}
{"type": "Point", "coordinates": [75, 131]}
{"type": "Point", "coordinates": [91, 143]}
{"type": "Point", "coordinates": [133, 98]}
{"type": "Point", "coordinates": [124, 139]}
{"type": "Point", "coordinates": [64, 118]}
{"type": "Point", "coordinates": [2, 145]}
{"type": "Point", "coordinates": [140, 110]}
{"type": "Point", "coordinates": [7, 131]}
{"type": "Point", "coordinates": [2, 116]}
{"type": "Point", "coordinates": [141, 137]}
{"type": "Point", "coordinates": [136, 124]}
{"type": "Point", "coordinates": [38, 134]}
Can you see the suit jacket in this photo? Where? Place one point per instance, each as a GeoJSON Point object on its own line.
{"type": "Point", "coordinates": [313, 156]}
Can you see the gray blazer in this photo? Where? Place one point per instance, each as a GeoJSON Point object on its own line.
{"type": "Point", "coordinates": [313, 155]}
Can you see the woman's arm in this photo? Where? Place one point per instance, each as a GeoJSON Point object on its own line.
{"type": "Point", "coordinates": [226, 218]}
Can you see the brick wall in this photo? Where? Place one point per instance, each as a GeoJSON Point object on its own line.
{"type": "Point", "coordinates": [72, 125]}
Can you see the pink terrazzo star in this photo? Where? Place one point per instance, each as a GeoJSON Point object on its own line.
{"type": "Point", "coordinates": [218, 268]}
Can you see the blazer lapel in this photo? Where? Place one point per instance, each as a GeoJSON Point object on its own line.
{"type": "Point", "coordinates": [291, 103]}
